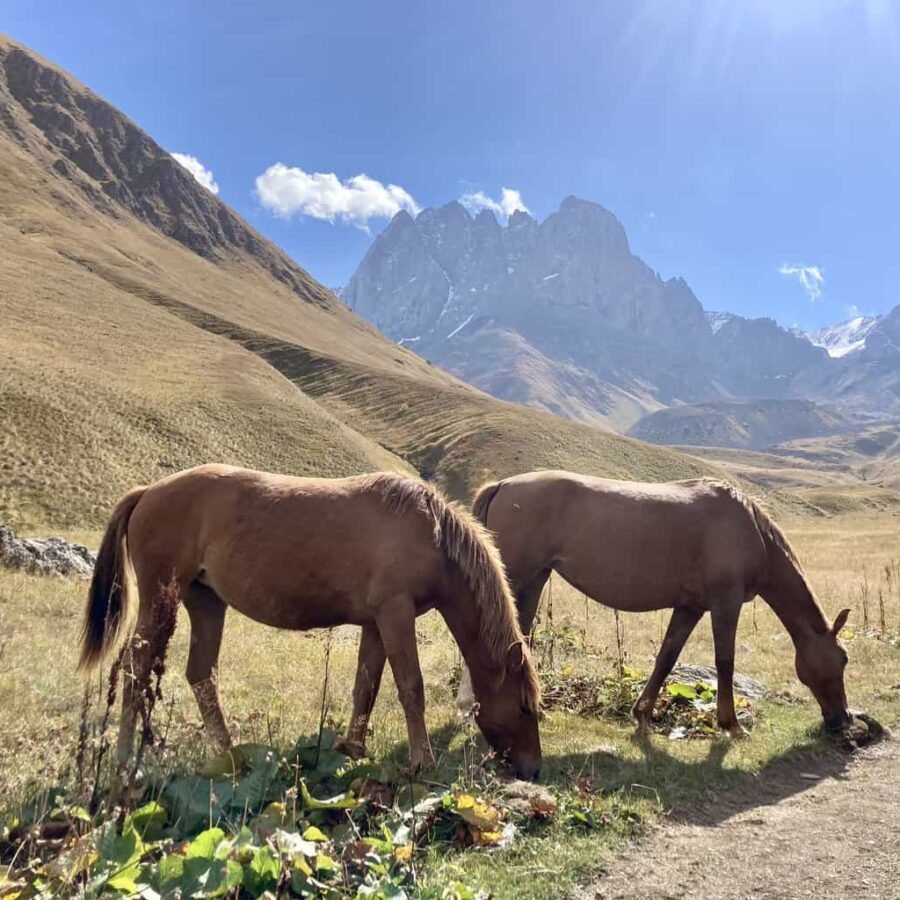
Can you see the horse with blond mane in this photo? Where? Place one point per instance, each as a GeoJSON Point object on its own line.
{"type": "Point", "coordinates": [301, 553]}
{"type": "Point", "coordinates": [692, 546]}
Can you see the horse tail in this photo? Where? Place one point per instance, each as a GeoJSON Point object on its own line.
{"type": "Point", "coordinates": [107, 605]}
{"type": "Point", "coordinates": [482, 502]}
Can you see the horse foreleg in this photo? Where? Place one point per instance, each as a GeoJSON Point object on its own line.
{"type": "Point", "coordinates": [725, 617]}
{"type": "Point", "coordinates": [369, 669]}
{"type": "Point", "coordinates": [207, 614]}
{"type": "Point", "coordinates": [684, 620]}
{"type": "Point", "coordinates": [397, 628]}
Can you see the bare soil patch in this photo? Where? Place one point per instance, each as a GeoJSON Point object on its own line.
{"type": "Point", "coordinates": [794, 835]}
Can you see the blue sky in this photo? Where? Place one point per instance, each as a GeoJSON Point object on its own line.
{"type": "Point", "coordinates": [733, 138]}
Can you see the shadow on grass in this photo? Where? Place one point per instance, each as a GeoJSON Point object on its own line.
{"type": "Point", "coordinates": [702, 791]}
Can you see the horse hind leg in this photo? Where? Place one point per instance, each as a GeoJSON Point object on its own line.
{"type": "Point", "coordinates": [145, 652]}
{"type": "Point", "coordinates": [684, 620]}
{"type": "Point", "coordinates": [206, 611]}
{"type": "Point", "coordinates": [369, 669]}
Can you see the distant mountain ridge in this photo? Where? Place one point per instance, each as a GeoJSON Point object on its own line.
{"type": "Point", "coordinates": [560, 314]}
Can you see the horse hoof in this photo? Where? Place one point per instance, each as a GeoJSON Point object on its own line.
{"type": "Point", "coordinates": [351, 749]}
{"type": "Point", "coordinates": [736, 732]}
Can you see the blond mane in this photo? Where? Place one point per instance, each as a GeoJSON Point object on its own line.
{"type": "Point", "coordinates": [468, 545]}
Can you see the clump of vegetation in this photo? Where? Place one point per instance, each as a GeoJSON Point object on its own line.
{"type": "Point", "coordinates": [256, 822]}
{"type": "Point", "coordinates": [682, 709]}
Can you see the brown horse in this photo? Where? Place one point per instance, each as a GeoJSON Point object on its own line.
{"type": "Point", "coordinates": [695, 546]}
{"type": "Point", "coordinates": [301, 553]}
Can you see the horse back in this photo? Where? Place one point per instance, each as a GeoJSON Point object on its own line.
{"type": "Point", "coordinates": [630, 544]}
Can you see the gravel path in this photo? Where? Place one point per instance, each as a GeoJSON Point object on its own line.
{"type": "Point", "coordinates": [794, 837]}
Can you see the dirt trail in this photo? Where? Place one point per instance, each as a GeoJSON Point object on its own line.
{"type": "Point", "coordinates": [838, 838]}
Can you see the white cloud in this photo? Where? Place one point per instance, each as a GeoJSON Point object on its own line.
{"type": "Point", "coordinates": [853, 311]}
{"type": "Point", "coordinates": [288, 191]}
{"type": "Point", "coordinates": [198, 170]}
{"type": "Point", "coordinates": [811, 278]}
{"type": "Point", "coordinates": [510, 201]}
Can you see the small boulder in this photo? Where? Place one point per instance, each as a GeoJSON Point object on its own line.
{"type": "Point", "coordinates": [52, 556]}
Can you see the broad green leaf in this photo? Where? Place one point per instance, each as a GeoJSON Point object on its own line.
{"type": "Point", "coordinates": [314, 834]}
{"type": "Point", "coordinates": [121, 849]}
{"type": "Point", "coordinates": [262, 873]}
{"type": "Point", "coordinates": [148, 821]}
{"type": "Point", "coordinates": [242, 758]}
{"type": "Point", "coordinates": [342, 801]}
{"type": "Point", "coordinates": [125, 880]}
{"type": "Point", "coordinates": [679, 689]}
{"type": "Point", "coordinates": [325, 863]}
{"type": "Point", "coordinates": [204, 845]}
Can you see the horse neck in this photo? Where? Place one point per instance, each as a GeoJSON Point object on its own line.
{"type": "Point", "coordinates": [790, 597]}
{"type": "Point", "coordinates": [463, 614]}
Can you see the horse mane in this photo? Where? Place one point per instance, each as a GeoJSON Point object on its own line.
{"type": "Point", "coordinates": [468, 545]}
{"type": "Point", "coordinates": [778, 549]}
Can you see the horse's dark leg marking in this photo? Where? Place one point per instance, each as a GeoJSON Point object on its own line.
{"type": "Point", "coordinates": [397, 628]}
{"type": "Point", "coordinates": [684, 620]}
{"type": "Point", "coordinates": [207, 614]}
{"type": "Point", "coordinates": [725, 615]}
{"type": "Point", "coordinates": [135, 674]}
{"type": "Point", "coordinates": [369, 668]}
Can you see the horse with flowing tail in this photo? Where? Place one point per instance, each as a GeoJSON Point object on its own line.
{"type": "Point", "coordinates": [300, 553]}
{"type": "Point", "coordinates": [693, 546]}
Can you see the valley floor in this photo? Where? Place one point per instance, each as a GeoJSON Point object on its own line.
{"type": "Point", "coordinates": [792, 837]}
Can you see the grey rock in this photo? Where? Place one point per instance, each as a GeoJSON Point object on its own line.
{"type": "Point", "coordinates": [746, 687]}
{"type": "Point", "coordinates": [52, 556]}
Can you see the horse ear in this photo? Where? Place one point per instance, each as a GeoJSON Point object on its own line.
{"type": "Point", "coordinates": [515, 656]}
{"type": "Point", "coordinates": [840, 621]}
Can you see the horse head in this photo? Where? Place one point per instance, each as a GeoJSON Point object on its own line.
{"type": "Point", "coordinates": [507, 711]}
{"type": "Point", "coordinates": [820, 661]}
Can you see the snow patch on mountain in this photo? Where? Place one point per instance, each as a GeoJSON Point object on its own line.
{"type": "Point", "coordinates": [844, 338]}
{"type": "Point", "coordinates": [718, 319]}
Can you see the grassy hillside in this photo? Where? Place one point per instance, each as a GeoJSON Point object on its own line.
{"type": "Point", "coordinates": [147, 328]}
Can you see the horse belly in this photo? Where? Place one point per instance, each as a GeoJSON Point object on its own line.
{"type": "Point", "coordinates": [634, 588]}
{"type": "Point", "coordinates": [299, 608]}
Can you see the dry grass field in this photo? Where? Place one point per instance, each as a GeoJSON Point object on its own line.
{"type": "Point", "coordinates": [273, 687]}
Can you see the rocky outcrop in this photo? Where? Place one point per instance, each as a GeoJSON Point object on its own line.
{"type": "Point", "coordinates": [52, 556]}
{"type": "Point", "coordinates": [560, 314]}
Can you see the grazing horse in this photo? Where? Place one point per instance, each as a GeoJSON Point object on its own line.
{"type": "Point", "coordinates": [694, 546]}
{"type": "Point", "coordinates": [300, 553]}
